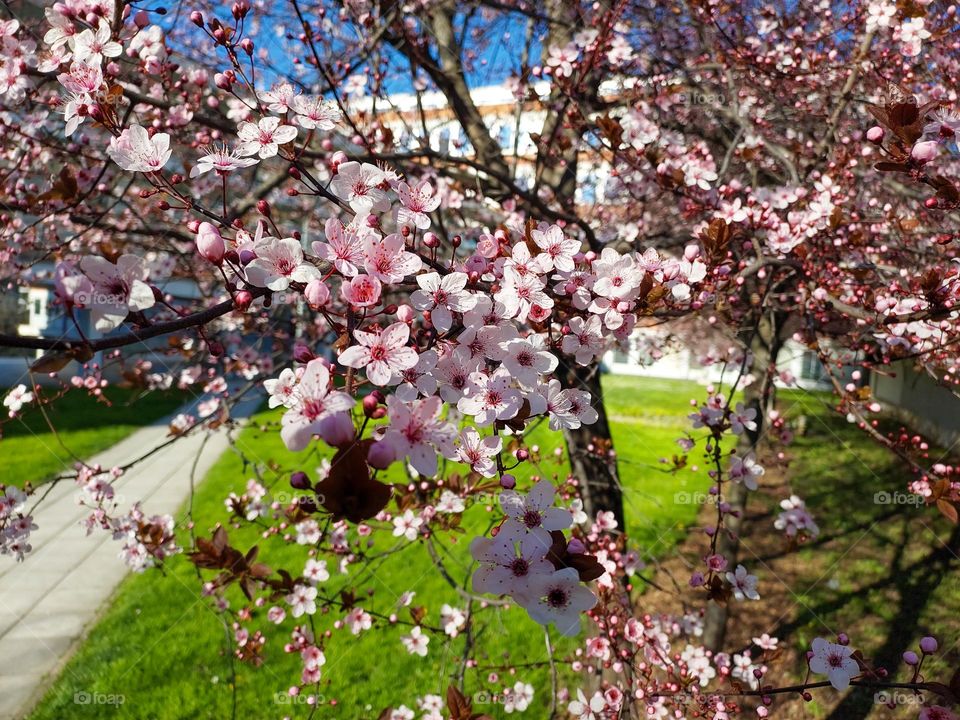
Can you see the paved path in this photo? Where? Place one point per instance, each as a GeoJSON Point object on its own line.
{"type": "Point", "coordinates": [47, 601]}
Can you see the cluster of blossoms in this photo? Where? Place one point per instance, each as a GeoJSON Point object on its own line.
{"type": "Point", "coordinates": [795, 520]}
{"type": "Point", "coordinates": [516, 563]}
{"type": "Point", "coordinates": [15, 400]}
{"type": "Point", "coordinates": [15, 526]}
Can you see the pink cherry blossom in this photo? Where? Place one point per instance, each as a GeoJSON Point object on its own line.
{"type": "Point", "coordinates": [135, 151]}
{"type": "Point", "coordinates": [382, 353]}
{"type": "Point", "coordinates": [118, 289]}
{"type": "Point", "coordinates": [278, 263]}
{"type": "Point", "coordinates": [417, 432]}
{"type": "Point", "coordinates": [478, 452]}
{"type": "Point", "coordinates": [558, 598]}
{"type": "Point", "coordinates": [442, 297]}
{"type": "Point", "coordinates": [310, 403]}
{"type": "Point", "coordinates": [418, 201]}
{"type": "Point", "coordinates": [263, 138]}
{"type": "Point", "coordinates": [344, 248]}
{"type": "Point", "coordinates": [835, 661]}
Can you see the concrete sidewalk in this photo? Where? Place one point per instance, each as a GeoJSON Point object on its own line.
{"type": "Point", "coordinates": [47, 601]}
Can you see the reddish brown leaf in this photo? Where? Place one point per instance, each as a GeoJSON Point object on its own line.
{"type": "Point", "coordinates": [349, 491]}
{"type": "Point", "coordinates": [948, 510]}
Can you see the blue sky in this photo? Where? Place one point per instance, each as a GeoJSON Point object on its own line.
{"type": "Point", "coordinates": [497, 55]}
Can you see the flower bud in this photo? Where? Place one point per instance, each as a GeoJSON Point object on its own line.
{"type": "Point", "coordinates": [405, 314]}
{"type": "Point", "coordinates": [243, 299]}
{"type": "Point", "coordinates": [302, 354]}
{"type": "Point", "coordinates": [928, 645]}
{"type": "Point", "coordinates": [299, 481]}
{"type": "Point", "coordinates": [337, 159]}
{"type": "Point", "coordinates": [337, 430]}
{"type": "Point", "coordinates": [875, 134]}
{"type": "Point", "coordinates": [910, 657]}
{"type": "Point", "coordinates": [381, 455]}
{"type": "Point", "coordinates": [924, 152]}
{"type": "Point", "coordinates": [370, 404]}
{"type": "Point", "coordinates": [508, 481]}
{"type": "Point", "coordinates": [316, 293]}
{"type": "Point", "coordinates": [210, 243]}
{"type": "Point", "coordinates": [576, 547]}
{"type": "Point", "coordinates": [196, 18]}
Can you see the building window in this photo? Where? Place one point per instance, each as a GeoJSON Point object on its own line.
{"type": "Point", "coordinates": [505, 137]}
{"type": "Point", "coordinates": [810, 367]}
{"type": "Point", "coordinates": [588, 189]}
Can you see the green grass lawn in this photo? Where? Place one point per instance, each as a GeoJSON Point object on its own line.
{"type": "Point", "coordinates": [84, 426]}
{"type": "Point", "coordinates": [161, 645]}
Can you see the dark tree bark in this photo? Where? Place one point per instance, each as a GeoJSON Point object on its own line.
{"type": "Point", "coordinates": [596, 470]}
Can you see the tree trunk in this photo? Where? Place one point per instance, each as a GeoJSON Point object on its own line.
{"type": "Point", "coordinates": [596, 469]}
{"type": "Point", "coordinates": [764, 344]}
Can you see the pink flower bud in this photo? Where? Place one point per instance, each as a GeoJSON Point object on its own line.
{"type": "Point", "coordinates": [316, 293]}
{"type": "Point", "coordinates": [929, 645]}
{"type": "Point", "coordinates": [508, 481]}
{"type": "Point", "coordinates": [337, 430]}
{"type": "Point", "coordinates": [576, 547]}
{"type": "Point", "coordinates": [141, 19]}
{"type": "Point", "coordinates": [370, 404]}
{"type": "Point", "coordinates": [875, 134]}
{"type": "Point", "coordinates": [337, 159]}
{"type": "Point", "coordinates": [196, 18]}
{"type": "Point", "coordinates": [924, 152]}
{"type": "Point", "coordinates": [302, 354]}
{"type": "Point", "coordinates": [910, 657]}
{"type": "Point", "coordinates": [405, 314]}
{"type": "Point", "coordinates": [209, 243]}
{"type": "Point", "coordinates": [381, 455]}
